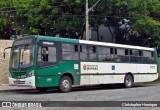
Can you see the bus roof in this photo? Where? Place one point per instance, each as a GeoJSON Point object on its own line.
{"type": "Point", "coordinates": [92, 42]}
{"type": "Point", "coordinates": [116, 45]}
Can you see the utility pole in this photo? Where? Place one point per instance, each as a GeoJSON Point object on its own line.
{"type": "Point", "coordinates": [87, 18]}
{"type": "Point", "coordinates": [87, 21]}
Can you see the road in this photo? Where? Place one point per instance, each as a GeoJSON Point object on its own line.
{"type": "Point", "coordinates": [140, 92]}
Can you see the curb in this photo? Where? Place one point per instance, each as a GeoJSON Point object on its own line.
{"type": "Point", "coordinates": [4, 84]}
{"type": "Point", "coordinates": [12, 90]}
{"type": "Point", "coordinates": [8, 88]}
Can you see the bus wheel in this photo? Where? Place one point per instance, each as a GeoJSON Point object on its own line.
{"type": "Point", "coordinates": [128, 81]}
{"type": "Point", "coordinates": [65, 84]}
{"type": "Point", "coordinates": [42, 89]}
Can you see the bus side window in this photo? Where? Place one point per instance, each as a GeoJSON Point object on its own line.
{"type": "Point", "coordinates": [92, 53]}
{"type": "Point", "coordinates": [70, 51]}
{"type": "Point", "coordinates": [134, 54]}
{"type": "Point", "coordinates": [148, 57]}
{"type": "Point", "coordinates": [152, 57]}
{"type": "Point", "coordinates": [105, 54]}
{"type": "Point", "coordinates": [121, 55]}
{"type": "Point", "coordinates": [47, 54]}
{"type": "Point", "coordinates": [83, 53]}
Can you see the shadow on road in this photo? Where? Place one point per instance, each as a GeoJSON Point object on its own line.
{"type": "Point", "coordinates": [82, 88]}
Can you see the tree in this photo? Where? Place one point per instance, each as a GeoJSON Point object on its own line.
{"type": "Point", "coordinates": [144, 16]}
{"type": "Point", "coordinates": [66, 18]}
{"type": "Point", "coordinates": [146, 20]}
{"type": "Point", "coordinates": [41, 17]}
{"type": "Point", "coordinates": [5, 19]}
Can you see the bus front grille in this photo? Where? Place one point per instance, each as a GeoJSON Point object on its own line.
{"type": "Point", "coordinates": [19, 82]}
{"type": "Point", "coordinates": [19, 73]}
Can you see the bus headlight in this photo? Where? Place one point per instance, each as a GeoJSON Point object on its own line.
{"type": "Point", "coordinates": [31, 73]}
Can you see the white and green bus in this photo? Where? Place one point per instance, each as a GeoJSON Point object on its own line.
{"type": "Point", "coordinates": [44, 62]}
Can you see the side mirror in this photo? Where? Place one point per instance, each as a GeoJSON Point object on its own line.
{"type": "Point", "coordinates": [4, 55]}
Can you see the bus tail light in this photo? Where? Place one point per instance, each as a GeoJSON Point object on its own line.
{"type": "Point", "coordinates": [31, 73]}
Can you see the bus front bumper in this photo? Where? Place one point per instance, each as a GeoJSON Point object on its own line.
{"type": "Point", "coordinates": [22, 82]}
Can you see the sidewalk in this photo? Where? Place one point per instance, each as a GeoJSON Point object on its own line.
{"type": "Point", "coordinates": [7, 88]}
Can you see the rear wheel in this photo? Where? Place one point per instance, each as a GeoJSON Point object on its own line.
{"type": "Point", "coordinates": [65, 84]}
{"type": "Point", "coordinates": [128, 81]}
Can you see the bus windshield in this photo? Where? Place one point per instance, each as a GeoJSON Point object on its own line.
{"type": "Point", "coordinates": [22, 56]}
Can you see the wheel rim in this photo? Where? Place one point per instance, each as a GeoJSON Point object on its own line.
{"type": "Point", "coordinates": [65, 84]}
{"type": "Point", "coordinates": [128, 82]}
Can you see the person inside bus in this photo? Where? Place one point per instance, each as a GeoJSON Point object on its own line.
{"type": "Point", "coordinates": [45, 54]}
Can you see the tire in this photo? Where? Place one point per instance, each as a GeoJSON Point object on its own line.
{"type": "Point", "coordinates": [65, 84]}
{"type": "Point", "coordinates": [42, 89]}
{"type": "Point", "coordinates": [128, 81]}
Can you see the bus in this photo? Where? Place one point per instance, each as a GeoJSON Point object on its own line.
{"type": "Point", "coordinates": [44, 62]}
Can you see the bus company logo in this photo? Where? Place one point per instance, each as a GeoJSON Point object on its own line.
{"type": "Point", "coordinates": [84, 67]}
{"type": "Point", "coordinates": [90, 67]}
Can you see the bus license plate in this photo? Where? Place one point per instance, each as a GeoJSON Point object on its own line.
{"type": "Point", "coordinates": [17, 81]}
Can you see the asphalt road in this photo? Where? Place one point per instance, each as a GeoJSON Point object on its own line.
{"type": "Point", "coordinates": [140, 92]}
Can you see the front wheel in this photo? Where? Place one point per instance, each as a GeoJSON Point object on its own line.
{"type": "Point", "coordinates": [65, 84]}
{"type": "Point", "coordinates": [128, 81]}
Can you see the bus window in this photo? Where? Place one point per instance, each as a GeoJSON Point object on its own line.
{"type": "Point", "coordinates": [70, 52]}
{"type": "Point", "coordinates": [105, 54]}
{"type": "Point", "coordinates": [136, 56]}
{"type": "Point", "coordinates": [135, 52]}
{"type": "Point", "coordinates": [46, 54]}
{"type": "Point", "coordinates": [51, 54]}
{"type": "Point", "coordinates": [152, 57]}
{"type": "Point", "coordinates": [148, 57]}
{"type": "Point", "coordinates": [83, 53]}
{"type": "Point", "coordinates": [92, 53]}
{"type": "Point", "coordinates": [121, 55]}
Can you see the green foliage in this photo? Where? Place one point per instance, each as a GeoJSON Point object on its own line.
{"type": "Point", "coordinates": [146, 26]}
{"type": "Point", "coordinates": [67, 17]}
{"type": "Point", "coordinates": [146, 18]}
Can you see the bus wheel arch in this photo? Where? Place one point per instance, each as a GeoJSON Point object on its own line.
{"type": "Point", "coordinates": [66, 82]}
{"type": "Point", "coordinates": [128, 80]}
{"type": "Point", "coordinates": [69, 75]}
